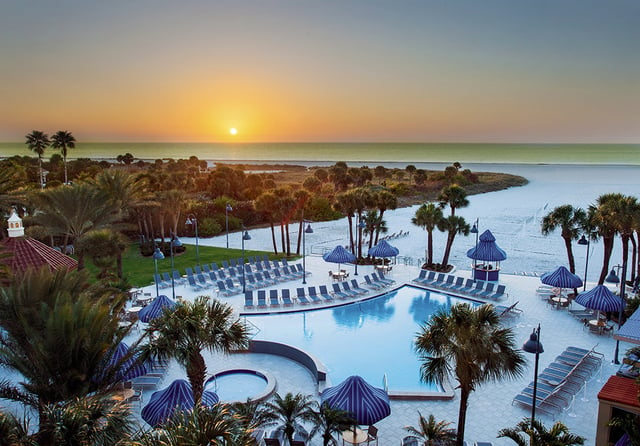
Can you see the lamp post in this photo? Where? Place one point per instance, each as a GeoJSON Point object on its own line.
{"type": "Point", "coordinates": [585, 241]}
{"type": "Point", "coordinates": [192, 220]}
{"type": "Point", "coordinates": [245, 236]}
{"type": "Point", "coordinates": [157, 255]}
{"type": "Point", "coordinates": [308, 230]}
{"type": "Point", "coordinates": [474, 230]}
{"type": "Point", "coordinates": [533, 345]}
{"type": "Point", "coordinates": [226, 218]}
{"type": "Point", "coordinates": [361, 225]}
{"type": "Point", "coordinates": [175, 241]}
{"type": "Point", "coordinates": [613, 278]}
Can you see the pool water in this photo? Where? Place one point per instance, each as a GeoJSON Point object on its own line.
{"type": "Point", "coordinates": [236, 385]}
{"type": "Point", "coordinates": [373, 339]}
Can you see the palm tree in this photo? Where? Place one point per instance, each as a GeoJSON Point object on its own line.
{"type": "Point", "coordinates": [74, 211]}
{"type": "Point", "coordinates": [471, 344]}
{"type": "Point", "coordinates": [104, 247]}
{"type": "Point", "coordinates": [290, 411]}
{"type": "Point", "coordinates": [428, 216]}
{"type": "Point", "coordinates": [454, 196]}
{"type": "Point", "coordinates": [432, 432]}
{"type": "Point", "coordinates": [63, 140]}
{"type": "Point", "coordinates": [329, 422]}
{"type": "Point", "coordinates": [523, 434]}
{"type": "Point", "coordinates": [14, 432]}
{"type": "Point", "coordinates": [38, 141]}
{"type": "Point", "coordinates": [604, 217]}
{"type": "Point", "coordinates": [10, 184]}
{"type": "Point", "coordinates": [571, 221]}
{"type": "Point", "coordinates": [453, 225]}
{"type": "Point", "coordinates": [252, 415]}
{"type": "Point", "coordinates": [384, 200]}
{"type": "Point", "coordinates": [184, 332]}
{"type": "Point", "coordinates": [266, 205]}
{"type": "Point", "coordinates": [206, 426]}
{"type": "Point", "coordinates": [58, 334]}
{"type": "Point", "coordinates": [96, 420]}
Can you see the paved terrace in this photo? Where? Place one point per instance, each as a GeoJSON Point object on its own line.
{"type": "Point", "coordinates": [490, 406]}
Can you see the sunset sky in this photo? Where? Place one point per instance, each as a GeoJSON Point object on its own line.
{"type": "Point", "coordinates": [324, 70]}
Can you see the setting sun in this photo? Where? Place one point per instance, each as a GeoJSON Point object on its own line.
{"type": "Point", "coordinates": [233, 131]}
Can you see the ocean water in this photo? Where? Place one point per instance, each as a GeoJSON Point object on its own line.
{"type": "Point", "coordinates": [359, 153]}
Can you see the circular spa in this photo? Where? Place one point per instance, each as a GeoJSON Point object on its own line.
{"type": "Point", "coordinates": [241, 384]}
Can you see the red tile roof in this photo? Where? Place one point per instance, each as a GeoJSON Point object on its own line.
{"type": "Point", "coordinates": [30, 253]}
{"type": "Point", "coordinates": [622, 390]}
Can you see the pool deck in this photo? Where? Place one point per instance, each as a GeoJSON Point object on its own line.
{"type": "Point", "coordinates": [490, 406]}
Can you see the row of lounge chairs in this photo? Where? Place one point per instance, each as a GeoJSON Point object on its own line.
{"type": "Point", "coordinates": [150, 380]}
{"type": "Point", "coordinates": [340, 291]}
{"type": "Point", "coordinates": [458, 285]}
{"type": "Point", "coordinates": [561, 380]}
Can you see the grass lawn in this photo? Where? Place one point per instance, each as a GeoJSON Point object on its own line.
{"type": "Point", "coordinates": [139, 270]}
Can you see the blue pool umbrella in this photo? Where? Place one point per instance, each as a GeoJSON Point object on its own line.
{"type": "Point", "coordinates": [561, 278]}
{"type": "Point", "coordinates": [155, 308]}
{"type": "Point", "coordinates": [127, 369]}
{"type": "Point", "coordinates": [383, 249]}
{"type": "Point", "coordinates": [600, 298]}
{"type": "Point", "coordinates": [339, 255]}
{"type": "Point", "coordinates": [178, 396]}
{"type": "Point", "coordinates": [487, 249]}
{"type": "Point", "coordinates": [365, 403]}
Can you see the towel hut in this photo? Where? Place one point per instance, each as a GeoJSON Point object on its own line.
{"type": "Point", "coordinates": [487, 256]}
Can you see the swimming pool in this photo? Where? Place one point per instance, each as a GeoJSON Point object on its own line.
{"type": "Point", "coordinates": [241, 384]}
{"type": "Point", "coordinates": [373, 338]}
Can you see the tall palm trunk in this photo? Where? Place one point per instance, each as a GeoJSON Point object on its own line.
{"type": "Point", "coordinates": [284, 250]}
{"type": "Point", "coordinates": [273, 237]}
{"type": "Point", "coordinates": [286, 228]}
{"type": "Point", "coordinates": [196, 373]}
{"type": "Point", "coordinates": [451, 235]}
{"type": "Point", "coordinates": [300, 229]}
{"type": "Point", "coordinates": [607, 243]}
{"type": "Point", "coordinates": [570, 257]}
{"type": "Point", "coordinates": [351, 243]}
{"type": "Point", "coordinates": [430, 247]}
{"type": "Point", "coordinates": [462, 415]}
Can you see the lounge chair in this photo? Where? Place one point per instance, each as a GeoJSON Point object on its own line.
{"type": "Point", "coordinates": [286, 272]}
{"type": "Point", "coordinates": [477, 289]}
{"type": "Point", "coordinates": [459, 283]}
{"type": "Point", "coordinates": [189, 271]}
{"type": "Point", "coordinates": [469, 284]}
{"type": "Point", "coordinates": [177, 278]}
{"type": "Point", "coordinates": [379, 278]}
{"type": "Point", "coordinates": [545, 406]}
{"type": "Point", "coordinates": [439, 280]}
{"type": "Point", "coordinates": [206, 268]}
{"type": "Point", "coordinates": [222, 289]}
{"type": "Point", "coordinates": [265, 257]}
{"type": "Point", "coordinates": [347, 289]}
{"type": "Point", "coordinates": [339, 293]}
{"type": "Point", "coordinates": [203, 281]}
{"type": "Point", "coordinates": [357, 288]}
{"type": "Point", "coordinates": [286, 297]}
{"type": "Point", "coordinates": [231, 287]}
{"type": "Point", "coordinates": [248, 299]}
{"type": "Point", "coordinates": [225, 264]}
{"type": "Point", "coordinates": [449, 282]}
{"type": "Point", "coordinates": [167, 278]}
{"type": "Point", "coordinates": [301, 297]}
{"type": "Point", "coordinates": [197, 269]}
{"type": "Point", "coordinates": [273, 298]}
{"type": "Point", "coordinates": [161, 283]}
{"type": "Point", "coordinates": [194, 286]}
{"type": "Point", "coordinates": [313, 295]}
{"type": "Point", "coordinates": [262, 299]}
{"type": "Point", "coordinates": [422, 276]}
{"type": "Point", "coordinates": [488, 290]}
{"type": "Point", "coordinates": [511, 310]}
{"type": "Point", "coordinates": [324, 293]}
{"type": "Point", "coordinates": [251, 260]}
{"type": "Point", "coordinates": [372, 284]}
{"type": "Point", "coordinates": [214, 266]}
{"type": "Point", "coordinates": [499, 293]}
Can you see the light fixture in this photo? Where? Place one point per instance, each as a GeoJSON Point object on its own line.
{"type": "Point", "coordinates": [534, 346]}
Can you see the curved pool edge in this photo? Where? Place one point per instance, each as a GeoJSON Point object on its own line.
{"type": "Point", "coordinates": [319, 371]}
{"type": "Point", "coordinates": [269, 389]}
